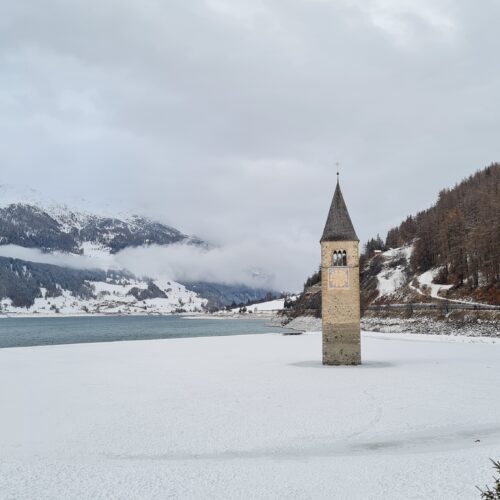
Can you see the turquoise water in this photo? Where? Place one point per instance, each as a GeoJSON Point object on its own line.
{"type": "Point", "coordinates": [21, 332]}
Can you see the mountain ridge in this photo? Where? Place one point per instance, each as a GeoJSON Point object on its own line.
{"type": "Point", "coordinates": [32, 226]}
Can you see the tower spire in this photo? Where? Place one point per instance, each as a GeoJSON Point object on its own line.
{"type": "Point", "coordinates": [338, 225]}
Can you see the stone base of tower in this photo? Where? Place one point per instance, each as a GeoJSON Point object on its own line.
{"type": "Point", "coordinates": [341, 344]}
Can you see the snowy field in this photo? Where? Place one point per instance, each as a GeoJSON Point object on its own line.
{"type": "Point", "coordinates": [249, 417]}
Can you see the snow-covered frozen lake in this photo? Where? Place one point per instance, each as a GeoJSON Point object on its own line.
{"type": "Point", "coordinates": [32, 331]}
{"type": "Point", "coordinates": [254, 416]}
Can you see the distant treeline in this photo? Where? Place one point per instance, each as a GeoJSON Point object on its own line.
{"type": "Point", "coordinates": [460, 233]}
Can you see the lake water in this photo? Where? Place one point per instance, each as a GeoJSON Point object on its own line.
{"type": "Point", "coordinates": [21, 332]}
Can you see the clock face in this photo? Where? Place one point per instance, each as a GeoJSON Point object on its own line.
{"type": "Point", "coordinates": [338, 277]}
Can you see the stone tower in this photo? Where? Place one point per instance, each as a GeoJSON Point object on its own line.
{"type": "Point", "coordinates": [340, 286]}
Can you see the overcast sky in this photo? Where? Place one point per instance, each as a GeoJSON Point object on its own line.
{"type": "Point", "coordinates": [225, 118]}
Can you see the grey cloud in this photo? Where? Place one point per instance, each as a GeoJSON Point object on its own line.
{"type": "Point", "coordinates": [280, 264]}
{"type": "Point", "coordinates": [225, 118]}
{"type": "Point", "coordinates": [261, 263]}
{"type": "Point", "coordinates": [56, 259]}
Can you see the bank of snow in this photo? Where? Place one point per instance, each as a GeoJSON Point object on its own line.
{"type": "Point", "coordinates": [426, 281]}
{"type": "Point", "coordinates": [268, 307]}
{"type": "Point", "coordinates": [248, 417]}
{"type": "Point", "coordinates": [394, 273]}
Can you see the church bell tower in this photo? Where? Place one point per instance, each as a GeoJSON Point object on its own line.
{"type": "Point", "coordinates": [340, 286]}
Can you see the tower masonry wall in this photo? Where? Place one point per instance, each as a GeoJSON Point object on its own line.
{"type": "Point", "coordinates": [340, 305]}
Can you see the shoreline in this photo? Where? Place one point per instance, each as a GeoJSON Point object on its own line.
{"type": "Point", "coordinates": [188, 315]}
{"type": "Point", "coordinates": [308, 324]}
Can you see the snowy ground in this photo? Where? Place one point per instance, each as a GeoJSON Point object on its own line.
{"type": "Point", "coordinates": [272, 305]}
{"type": "Point", "coordinates": [249, 417]}
{"type": "Point", "coordinates": [269, 306]}
{"type": "Point", "coordinates": [393, 277]}
{"type": "Point", "coordinates": [426, 279]}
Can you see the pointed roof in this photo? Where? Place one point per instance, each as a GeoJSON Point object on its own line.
{"type": "Point", "coordinates": [338, 225]}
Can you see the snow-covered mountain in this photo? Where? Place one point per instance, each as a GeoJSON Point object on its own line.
{"type": "Point", "coordinates": [41, 285]}
{"type": "Point", "coordinates": [30, 220]}
{"type": "Point", "coordinates": [81, 233]}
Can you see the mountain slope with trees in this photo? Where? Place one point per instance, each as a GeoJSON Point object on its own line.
{"type": "Point", "coordinates": [460, 234]}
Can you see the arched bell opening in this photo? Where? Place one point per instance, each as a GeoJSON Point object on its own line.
{"type": "Point", "coordinates": [339, 258]}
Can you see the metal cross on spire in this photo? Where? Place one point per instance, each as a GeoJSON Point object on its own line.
{"type": "Point", "coordinates": [337, 165]}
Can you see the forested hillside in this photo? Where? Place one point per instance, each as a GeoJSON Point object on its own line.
{"type": "Point", "coordinates": [460, 233]}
